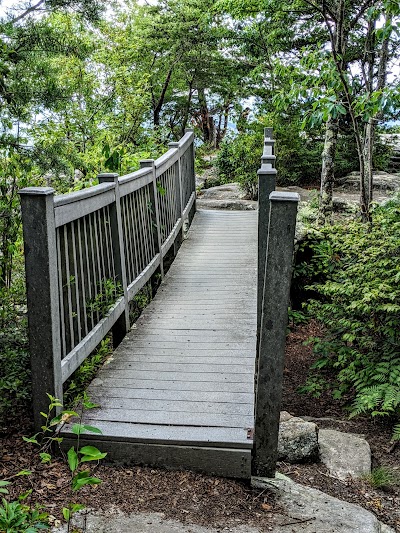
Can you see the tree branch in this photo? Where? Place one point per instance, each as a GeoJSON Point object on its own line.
{"type": "Point", "coordinates": [25, 13]}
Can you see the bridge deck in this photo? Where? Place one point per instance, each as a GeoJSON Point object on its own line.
{"type": "Point", "coordinates": [179, 389]}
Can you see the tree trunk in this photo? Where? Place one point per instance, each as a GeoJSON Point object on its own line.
{"type": "Point", "coordinates": [327, 173]}
{"type": "Point", "coordinates": [207, 122]}
{"type": "Point", "coordinates": [158, 106]}
{"type": "Point", "coordinates": [369, 140]}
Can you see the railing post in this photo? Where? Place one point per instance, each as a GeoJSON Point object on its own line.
{"type": "Point", "coordinates": [193, 172]}
{"type": "Point", "coordinates": [149, 163]}
{"type": "Point", "coordinates": [122, 325]}
{"type": "Point", "coordinates": [266, 185]}
{"type": "Point", "coordinates": [41, 271]}
{"type": "Point", "coordinates": [275, 301]}
{"type": "Point", "coordinates": [179, 196]}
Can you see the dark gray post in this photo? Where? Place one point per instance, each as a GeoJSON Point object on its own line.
{"type": "Point", "coordinates": [37, 204]}
{"type": "Point", "coordinates": [149, 163]}
{"type": "Point", "coordinates": [122, 325]}
{"type": "Point", "coordinates": [193, 172]}
{"type": "Point", "coordinates": [266, 185]}
{"type": "Point", "coordinates": [274, 318]}
{"type": "Point", "coordinates": [178, 183]}
{"type": "Point", "coordinates": [179, 195]}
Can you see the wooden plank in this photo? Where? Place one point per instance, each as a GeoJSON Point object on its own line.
{"type": "Point", "coordinates": [192, 367]}
{"type": "Point", "coordinates": [151, 358]}
{"type": "Point", "coordinates": [182, 377]}
{"type": "Point", "coordinates": [174, 418]}
{"type": "Point", "coordinates": [165, 394]}
{"type": "Point", "coordinates": [192, 435]}
{"type": "Point", "coordinates": [153, 383]}
{"type": "Point", "coordinates": [226, 462]}
{"type": "Point", "coordinates": [168, 407]}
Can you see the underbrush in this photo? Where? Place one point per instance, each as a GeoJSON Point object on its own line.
{"type": "Point", "coordinates": [351, 275]}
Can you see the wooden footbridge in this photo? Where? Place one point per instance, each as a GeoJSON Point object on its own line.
{"type": "Point", "coordinates": [196, 382]}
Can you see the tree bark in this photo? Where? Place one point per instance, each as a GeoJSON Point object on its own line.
{"type": "Point", "coordinates": [207, 122]}
{"type": "Point", "coordinates": [328, 171]}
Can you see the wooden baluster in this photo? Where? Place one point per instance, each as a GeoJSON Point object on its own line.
{"type": "Point", "coordinates": [122, 325]}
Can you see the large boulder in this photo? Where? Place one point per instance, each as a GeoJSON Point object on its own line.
{"type": "Point", "coordinates": [344, 454]}
{"type": "Point", "coordinates": [309, 510]}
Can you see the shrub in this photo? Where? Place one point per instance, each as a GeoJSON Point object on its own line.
{"type": "Point", "coordinates": [355, 273]}
{"type": "Point", "coordinates": [14, 356]}
{"type": "Point", "coordinates": [239, 159]}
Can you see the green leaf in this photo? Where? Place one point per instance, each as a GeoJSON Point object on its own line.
{"type": "Point", "coordinates": [45, 457]}
{"type": "Point", "coordinates": [24, 473]}
{"type": "Point", "coordinates": [89, 450]}
{"type": "Point", "coordinates": [66, 513]}
{"type": "Point", "coordinates": [4, 484]}
{"type": "Point", "coordinates": [78, 484]}
{"type": "Point", "coordinates": [73, 459]}
{"type": "Point", "coordinates": [32, 440]}
{"type": "Point", "coordinates": [93, 429]}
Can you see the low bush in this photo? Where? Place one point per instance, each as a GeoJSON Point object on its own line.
{"type": "Point", "coordinates": [353, 275]}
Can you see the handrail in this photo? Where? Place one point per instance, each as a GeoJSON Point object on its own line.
{"type": "Point", "coordinates": [88, 253]}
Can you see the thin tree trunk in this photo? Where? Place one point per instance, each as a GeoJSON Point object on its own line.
{"type": "Point", "coordinates": [328, 171]}
{"type": "Point", "coordinates": [207, 123]}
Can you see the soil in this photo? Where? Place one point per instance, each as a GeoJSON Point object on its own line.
{"type": "Point", "coordinates": [207, 500]}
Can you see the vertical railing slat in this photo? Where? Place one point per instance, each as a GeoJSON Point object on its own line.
{"type": "Point", "coordinates": [121, 326]}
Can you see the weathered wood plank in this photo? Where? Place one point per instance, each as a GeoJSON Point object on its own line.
{"type": "Point", "coordinates": [207, 377]}
{"type": "Point", "coordinates": [174, 385]}
{"type": "Point", "coordinates": [162, 394]}
{"type": "Point", "coordinates": [214, 368]}
{"type": "Point", "coordinates": [226, 462]}
{"type": "Point", "coordinates": [167, 408]}
{"type": "Point", "coordinates": [192, 435]}
{"type": "Point", "coordinates": [173, 418]}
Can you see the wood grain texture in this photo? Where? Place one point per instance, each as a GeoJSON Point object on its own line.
{"type": "Point", "coordinates": [178, 391]}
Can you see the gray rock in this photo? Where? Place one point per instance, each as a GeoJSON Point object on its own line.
{"type": "Point", "coordinates": [383, 181]}
{"type": "Point", "coordinates": [231, 205]}
{"type": "Point", "coordinates": [229, 191]}
{"type": "Point", "coordinates": [117, 522]}
{"type": "Point", "coordinates": [298, 440]}
{"type": "Point", "coordinates": [344, 454]}
{"type": "Point", "coordinates": [319, 512]}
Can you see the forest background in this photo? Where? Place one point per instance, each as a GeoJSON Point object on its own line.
{"type": "Point", "coordinates": [87, 87]}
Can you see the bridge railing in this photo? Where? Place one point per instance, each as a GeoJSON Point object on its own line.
{"type": "Point", "coordinates": [88, 253]}
{"type": "Point", "coordinates": [276, 231]}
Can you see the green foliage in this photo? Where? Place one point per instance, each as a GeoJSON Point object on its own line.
{"type": "Point", "coordinates": [239, 159]}
{"type": "Point", "coordinates": [15, 517]}
{"type": "Point", "coordinates": [353, 271]}
{"type": "Point", "coordinates": [382, 478]}
{"type": "Point", "coordinates": [14, 354]}
{"type": "Point", "coordinates": [76, 458]}
{"type": "Point", "coordinates": [80, 379]}
{"type": "Point", "coordinates": [108, 293]}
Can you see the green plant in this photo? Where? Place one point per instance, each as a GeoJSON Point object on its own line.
{"type": "Point", "coordinates": [353, 274]}
{"type": "Point", "coordinates": [80, 379]}
{"type": "Point", "coordinates": [382, 477]}
{"type": "Point", "coordinates": [14, 354]}
{"type": "Point", "coordinates": [109, 291]}
{"type": "Point", "coordinates": [15, 517]}
{"type": "Point", "coordinates": [239, 159]}
{"type": "Point", "coordinates": [77, 456]}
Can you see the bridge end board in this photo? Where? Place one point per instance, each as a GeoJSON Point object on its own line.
{"type": "Point", "coordinates": [225, 462]}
